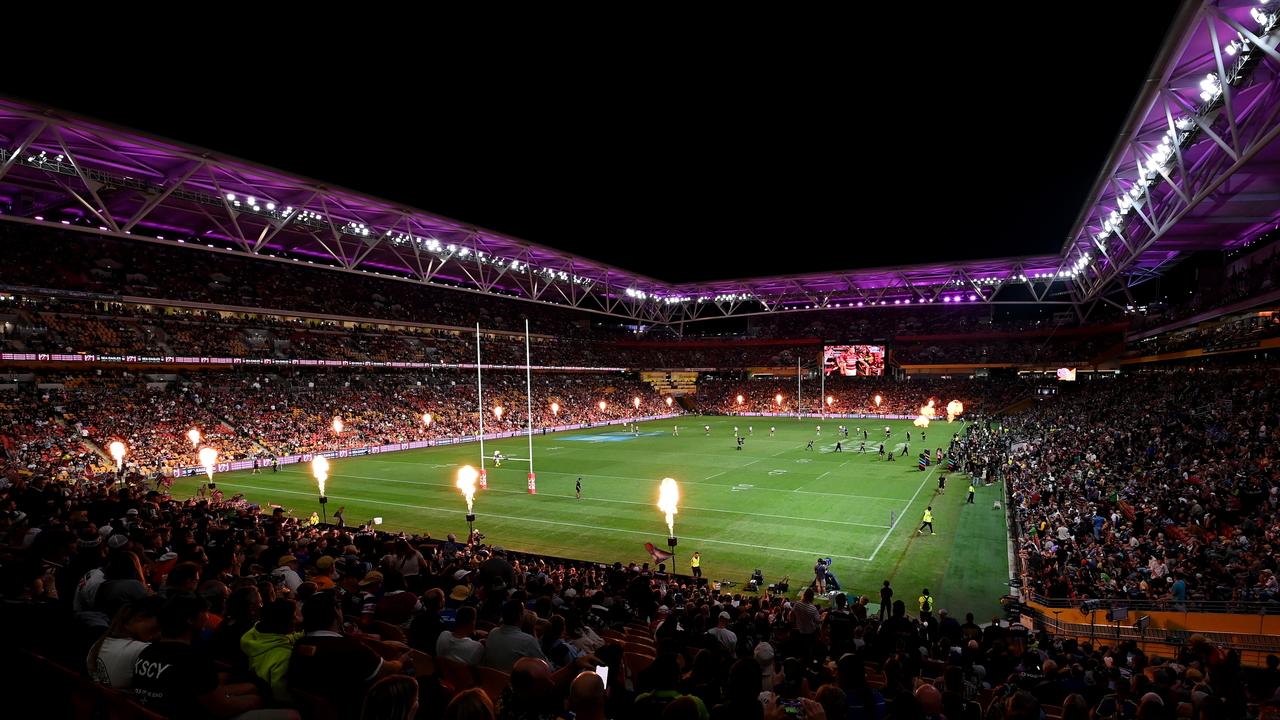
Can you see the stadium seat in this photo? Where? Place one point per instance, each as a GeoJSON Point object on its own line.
{"type": "Point", "coordinates": [455, 676]}
{"type": "Point", "coordinates": [492, 681]}
{"type": "Point", "coordinates": [640, 648]}
{"type": "Point", "coordinates": [313, 707]}
{"type": "Point", "coordinates": [386, 631]}
{"type": "Point", "coordinates": [636, 662]}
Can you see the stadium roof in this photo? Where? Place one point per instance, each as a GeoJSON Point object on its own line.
{"type": "Point", "coordinates": [1193, 168]}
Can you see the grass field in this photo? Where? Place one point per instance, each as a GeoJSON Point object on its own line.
{"type": "Point", "coordinates": [773, 505]}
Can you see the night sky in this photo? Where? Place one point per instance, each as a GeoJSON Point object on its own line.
{"type": "Point", "coordinates": [696, 151]}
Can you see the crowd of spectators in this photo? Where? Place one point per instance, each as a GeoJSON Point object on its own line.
{"type": "Point", "coordinates": [1250, 275]}
{"type": "Point", "coordinates": [245, 414]}
{"type": "Point", "coordinates": [1159, 486]}
{"type": "Point", "coordinates": [255, 612]}
{"type": "Point", "coordinates": [1069, 349]}
{"type": "Point", "coordinates": [113, 328]}
{"type": "Point", "coordinates": [849, 395]}
{"type": "Point", "coordinates": [1230, 333]}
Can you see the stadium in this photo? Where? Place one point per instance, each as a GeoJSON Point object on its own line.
{"type": "Point", "coordinates": [275, 448]}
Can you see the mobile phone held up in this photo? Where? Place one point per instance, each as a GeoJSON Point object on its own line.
{"type": "Point", "coordinates": [603, 672]}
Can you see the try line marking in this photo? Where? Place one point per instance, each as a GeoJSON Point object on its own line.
{"type": "Point", "coordinates": [454, 512]}
{"type": "Point", "coordinates": [904, 509]}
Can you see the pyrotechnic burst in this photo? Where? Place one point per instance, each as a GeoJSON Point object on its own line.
{"type": "Point", "coordinates": [320, 469]}
{"type": "Point", "coordinates": [668, 499]}
{"type": "Point", "coordinates": [830, 401]}
{"type": "Point", "coordinates": [740, 399]}
{"type": "Point", "coordinates": [878, 399]}
{"type": "Point", "coordinates": [777, 399]}
{"type": "Point", "coordinates": [467, 484]}
{"type": "Point", "coordinates": [555, 408]}
{"type": "Point", "coordinates": [337, 424]}
{"type": "Point", "coordinates": [194, 436]}
{"type": "Point", "coordinates": [927, 413]}
{"type": "Point", "coordinates": [668, 401]}
{"type": "Point", "coordinates": [636, 402]}
{"type": "Point", "coordinates": [602, 405]}
{"type": "Point", "coordinates": [208, 459]}
{"type": "Point", "coordinates": [954, 409]}
{"type": "Point", "coordinates": [497, 412]}
{"type": "Point", "coordinates": [426, 419]}
{"type": "Point", "coordinates": [117, 452]}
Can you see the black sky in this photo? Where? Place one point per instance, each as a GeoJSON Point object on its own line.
{"type": "Point", "coordinates": [692, 151]}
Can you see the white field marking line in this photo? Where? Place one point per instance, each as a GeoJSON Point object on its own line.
{"type": "Point", "coordinates": [626, 477]}
{"type": "Point", "coordinates": [846, 462]}
{"type": "Point", "coordinates": [899, 518]}
{"type": "Point", "coordinates": [623, 502]}
{"type": "Point", "coordinates": [453, 511]}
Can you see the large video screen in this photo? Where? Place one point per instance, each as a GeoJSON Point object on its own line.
{"type": "Point", "coordinates": [853, 360]}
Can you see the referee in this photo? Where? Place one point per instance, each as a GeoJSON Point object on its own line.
{"type": "Point", "coordinates": [695, 565]}
{"type": "Point", "coordinates": [928, 521]}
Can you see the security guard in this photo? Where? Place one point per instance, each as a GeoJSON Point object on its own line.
{"type": "Point", "coordinates": [928, 521]}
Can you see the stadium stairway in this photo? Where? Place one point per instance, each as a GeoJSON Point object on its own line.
{"type": "Point", "coordinates": [1017, 406]}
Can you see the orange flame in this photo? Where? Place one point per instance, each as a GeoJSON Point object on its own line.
{"type": "Point", "coordinates": [426, 419]}
{"type": "Point", "coordinates": [954, 409]}
{"type": "Point", "coordinates": [602, 405]}
{"type": "Point", "coordinates": [668, 499]}
{"type": "Point", "coordinates": [117, 452]}
{"type": "Point", "coordinates": [927, 413]}
{"type": "Point", "coordinates": [878, 399]}
{"type": "Point", "coordinates": [320, 469]}
{"type": "Point", "coordinates": [467, 484]}
{"type": "Point", "coordinates": [555, 408]}
{"type": "Point", "coordinates": [337, 424]}
{"type": "Point", "coordinates": [208, 458]}
{"type": "Point", "coordinates": [194, 436]}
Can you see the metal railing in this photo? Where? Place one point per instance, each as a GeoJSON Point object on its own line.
{"type": "Point", "coordinates": [1244, 607]}
{"type": "Point", "coordinates": [1112, 632]}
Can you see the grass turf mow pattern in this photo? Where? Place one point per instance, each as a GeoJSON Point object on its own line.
{"type": "Point", "coordinates": [772, 505]}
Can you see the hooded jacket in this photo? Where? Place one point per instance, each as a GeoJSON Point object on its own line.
{"type": "Point", "coordinates": [269, 655]}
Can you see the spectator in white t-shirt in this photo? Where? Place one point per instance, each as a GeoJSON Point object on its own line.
{"type": "Point", "coordinates": [287, 567]}
{"type": "Point", "coordinates": [134, 627]}
{"type": "Point", "coordinates": [458, 644]}
{"type": "Point", "coordinates": [722, 633]}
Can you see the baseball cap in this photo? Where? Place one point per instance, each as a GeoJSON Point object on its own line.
{"type": "Point", "coordinates": [286, 560]}
{"type": "Point", "coordinates": [460, 593]}
{"type": "Point", "coordinates": [371, 578]}
{"type": "Point", "coordinates": [725, 616]}
{"type": "Point", "coordinates": [764, 653]}
{"type": "Point", "coordinates": [324, 563]}
{"type": "Point", "coordinates": [115, 542]}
